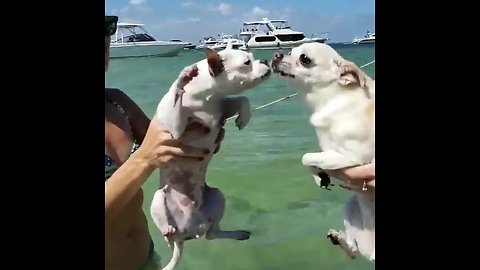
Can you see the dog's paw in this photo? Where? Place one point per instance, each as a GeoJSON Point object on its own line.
{"type": "Point", "coordinates": [372, 257]}
{"type": "Point", "coordinates": [321, 178]}
{"type": "Point", "coordinates": [187, 74]}
{"type": "Point", "coordinates": [325, 182]}
{"type": "Point", "coordinates": [169, 231]}
{"type": "Point", "coordinates": [243, 118]}
{"type": "Point", "coordinates": [334, 237]}
{"type": "Point", "coordinates": [242, 235]}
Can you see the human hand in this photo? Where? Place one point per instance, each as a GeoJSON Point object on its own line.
{"type": "Point", "coordinates": [160, 150]}
{"type": "Point", "coordinates": [356, 176]}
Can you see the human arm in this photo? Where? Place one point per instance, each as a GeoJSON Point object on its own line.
{"type": "Point", "coordinates": [157, 150]}
{"type": "Point", "coordinates": [357, 175]}
{"type": "Point", "coordinates": [140, 121]}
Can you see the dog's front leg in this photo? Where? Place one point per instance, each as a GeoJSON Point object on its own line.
{"type": "Point", "coordinates": [328, 160]}
{"type": "Point", "coordinates": [320, 161]}
{"type": "Point", "coordinates": [237, 105]}
{"type": "Point", "coordinates": [170, 111]}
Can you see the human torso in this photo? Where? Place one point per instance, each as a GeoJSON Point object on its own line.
{"type": "Point", "coordinates": [127, 240]}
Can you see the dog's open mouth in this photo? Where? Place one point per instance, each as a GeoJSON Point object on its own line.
{"type": "Point", "coordinates": [266, 74]}
{"type": "Point", "coordinates": [277, 70]}
{"type": "Point", "coordinates": [284, 74]}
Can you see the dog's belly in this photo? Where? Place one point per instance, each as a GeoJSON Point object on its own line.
{"type": "Point", "coordinates": [191, 224]}
{"type": "Point", "coordinates": [209, 116]}
{"type": "Point", "coordinates": [359, 149]}
{"type": "Point", "coordinates": [359, 220]}
{"type": "Point", "coordinates": [348, 129]}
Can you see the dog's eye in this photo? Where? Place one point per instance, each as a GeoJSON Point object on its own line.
{"type": "Point", "coordinates": [247, 63]}
{"type": "Point", "coordinates": [304, 59]}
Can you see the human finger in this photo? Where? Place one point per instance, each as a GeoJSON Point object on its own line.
{"type": "Point", "coordinates": [360, 173]}
{"type": "Point", "coordinates": [345, 186]}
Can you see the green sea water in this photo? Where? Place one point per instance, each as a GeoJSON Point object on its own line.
{"type": "Point", "coordinates": [259, 171]}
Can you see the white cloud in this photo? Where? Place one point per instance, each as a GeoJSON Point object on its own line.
{"type": "Point", "coordinates": [193, 19]}
{"type": "Point", "coordinates": [136, 14]}
{"type": "Point", "coordinates": [136, 2]}
{"type": "Point", "coordinates": [187, 4]}
{"type": "Point", "coordinates": [223, 8]}
{"type": "Point", "coordinates": [167, 23]}
{"type": "Point", "coordinates": [258, 12]}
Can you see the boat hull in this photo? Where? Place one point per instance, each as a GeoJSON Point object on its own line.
{"type": "Point", "coordinates": [277, 45]}
{"type": "Point", "coordinates": [372, 41]}
{"type": "Point", "coordinates": [319, 40]}
{"type": "Point", "coordinates": [145, 49]}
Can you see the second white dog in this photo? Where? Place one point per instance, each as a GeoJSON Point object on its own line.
{"type": "Point", "coordinates": [341, 99]}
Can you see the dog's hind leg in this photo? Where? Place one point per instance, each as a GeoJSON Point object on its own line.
{"type": "Point", "coordinates": [346, 243]}
{"type": "Point", "coordinates": [241, 105]}
{"type": "Point", "coordinates": [214, 207]}
{"type": "Point", "coordinates": [159, 212]}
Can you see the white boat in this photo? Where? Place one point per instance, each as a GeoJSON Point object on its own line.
{"type": "Point", "coordinates": [221, 43]}
{"type": "Point", "coordinates": [132, 40]}
{"type": "Point", "coordinates": [271, 34]}
{"type": "Point", "coordinates": [368, 39]}
{"type": "Point", "coordinates": [320, 38]}
{"type": "Point", "coordinates": [188, 45]}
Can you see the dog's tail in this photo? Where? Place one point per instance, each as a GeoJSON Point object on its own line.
{"type": "Point", "coordinates": [177, 253]}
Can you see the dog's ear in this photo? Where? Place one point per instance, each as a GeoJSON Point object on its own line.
{"type": "Point", "coordinates": [215, 63]}
{"type": "Point", "coordinates": [350, 74]}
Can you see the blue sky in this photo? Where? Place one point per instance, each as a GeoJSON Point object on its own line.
{"type": "Point", "coordinates": [190, 20]}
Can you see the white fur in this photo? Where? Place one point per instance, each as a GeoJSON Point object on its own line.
{"type": "Point", "coordinates": [341, 100]}
{"type": "Point", "coordinates": [205, 100]}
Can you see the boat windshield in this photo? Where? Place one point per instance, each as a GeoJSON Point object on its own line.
{"type": "Point", "coordinates": [137, 38]}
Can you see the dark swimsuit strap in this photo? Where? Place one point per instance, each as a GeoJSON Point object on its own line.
{"type": "Point", "coordinates": [108, 160]}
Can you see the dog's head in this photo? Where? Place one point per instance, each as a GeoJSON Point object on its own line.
{"type": "Point", "coordinates": [316, 65]}
{"type": "Point", "coordinates": [229, 72]}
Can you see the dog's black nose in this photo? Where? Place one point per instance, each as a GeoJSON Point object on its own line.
{"type": "Point", "coordinates": [278, 56]}
{"type": "Point", "coordinates": [264, 61]}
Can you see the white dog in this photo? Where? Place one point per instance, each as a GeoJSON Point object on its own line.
{"type": "Point", "coordinates": [186, 208]}
{"type": "Point", "coordinates": [341, 99]}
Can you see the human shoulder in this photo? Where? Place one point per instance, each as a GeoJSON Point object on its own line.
{"type": "Point", "coordinates": [117, 95]}
{"type": "Point", "coordinates": [139, 120]}
{"type": "Point", "coordinates": [120, 97]}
